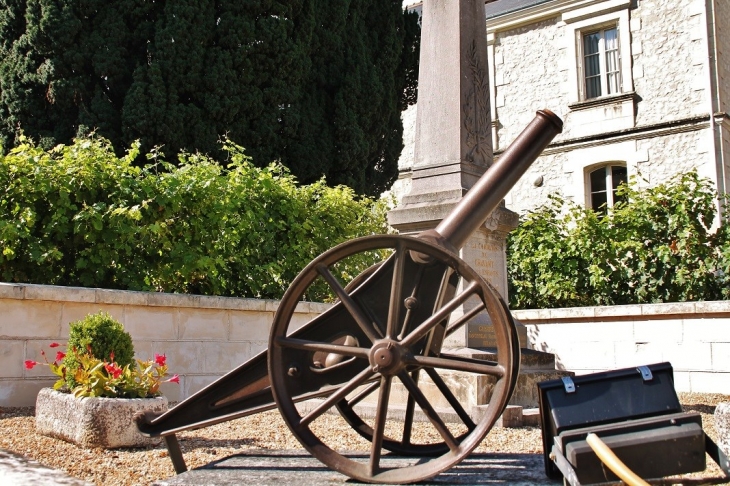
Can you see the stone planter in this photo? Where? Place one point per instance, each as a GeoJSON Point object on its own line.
{"type": "Point", "coordinates": [94, 422]}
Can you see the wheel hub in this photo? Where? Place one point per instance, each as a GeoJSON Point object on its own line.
{"type": "Point", "coordinates": [386, 357]}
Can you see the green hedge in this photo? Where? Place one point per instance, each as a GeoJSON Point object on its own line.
{"type": "Point", "coordinates": [78, 215]}
{"type": "Point", "coordinates": [657, 247]}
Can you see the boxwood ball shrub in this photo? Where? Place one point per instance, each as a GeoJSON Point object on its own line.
{"type": "Point", "coordinates": [101, 334]}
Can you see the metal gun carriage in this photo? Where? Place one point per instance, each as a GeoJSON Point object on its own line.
{"type": "Point", "coordinates": [382, 342]}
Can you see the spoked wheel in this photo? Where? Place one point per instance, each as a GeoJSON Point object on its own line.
{"type": "Point", "coordinates": [382, 342]}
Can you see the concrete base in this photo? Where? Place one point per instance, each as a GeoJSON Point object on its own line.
{"type": "Point", "coordinates": [513, 416]}
{"type": "Point", "coordinates": [264, 468]}
{"type": "Point", "coordinates": [18, 470]}
{"type": "Point", "coordinates": [535, 366]}
{"type": "Point", "coordinates": [94, 422]}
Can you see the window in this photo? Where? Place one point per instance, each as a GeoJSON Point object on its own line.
{"type": "Point", "coordinates": [601, 59]}
{"type": "Point", "coordinates": [604, 183]}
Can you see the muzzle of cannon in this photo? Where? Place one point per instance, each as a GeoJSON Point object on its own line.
{"type": "Point", "coordinates": [382, 337]}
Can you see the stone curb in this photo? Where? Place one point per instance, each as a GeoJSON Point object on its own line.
{"type": "Point", "coordinates": [722, 425]}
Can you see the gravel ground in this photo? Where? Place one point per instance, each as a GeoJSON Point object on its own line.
{"type": "Point", "coordinates": [261, 431]}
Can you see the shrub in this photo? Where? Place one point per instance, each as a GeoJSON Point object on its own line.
{"type": "Point", "coordinates": [103, 337]}
{"type": "Point", "coordinates": [78, 215]}
{"type": "Point", "coordinates": [657, 247]}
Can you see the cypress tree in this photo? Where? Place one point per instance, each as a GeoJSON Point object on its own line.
{"type": "Point", "coordinates": [316, 84]}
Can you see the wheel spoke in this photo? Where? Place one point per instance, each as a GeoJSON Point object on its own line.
{"type": "Point", "coordinates": [449, 396]}
{"type": "Point", "coordinates": [362, 395]}
{"type": "Point", "coordinates": [453, 326]}
{"type": "Point", "coordinates": [337, 396]}
{"type": "Point", "coordinates": [429, 411]}
{"type": "Point", "coordinates": [394, 308]}
{"type": "Point", "coordinates": [410, 412]}
{"type": "Point", "coordinates": [457, 363]}
{"type": "Point", "coordinates": [289, 342]}
{"type": "Point", "coordinates": [379, 430]}
{"type": "Point", "coordinates": [352, 307]}
{"type": "Point", "coordinates": [440, 315]}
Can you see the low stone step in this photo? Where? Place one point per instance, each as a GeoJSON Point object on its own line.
{"type": "Point", "coordinates": [531, 417]}
{"type": "Point", "coordinates": [530, 359]}
{"type": "Point", "coordinates": [526, 392]}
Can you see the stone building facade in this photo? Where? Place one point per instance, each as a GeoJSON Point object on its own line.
{"type": "Point", "coordinates": [643, 87]}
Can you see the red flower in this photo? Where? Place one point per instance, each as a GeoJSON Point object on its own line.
{"type": "Point", "coordinates": [111, 356]}
{"type": "Point", "coordinates": [60, 355]}
{"type": "Point", "coordinates": [160, 359]}
{"type": "Point", "coordinates": [29, 364]}
{"type": "Point", "coordinates": [53, 345]}
{"type": "Point", "coordinates": [175, 379]}
{"type": "Point", "coordinates": [114, 370]}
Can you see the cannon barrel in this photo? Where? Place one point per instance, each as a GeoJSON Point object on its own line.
{"type": "Point", "coordinates": [492, 187]}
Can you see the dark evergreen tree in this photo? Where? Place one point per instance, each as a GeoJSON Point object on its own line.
{"type": "Point", "coordinates": [316, 84]}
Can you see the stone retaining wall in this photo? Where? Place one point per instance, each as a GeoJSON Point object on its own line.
{"type": "Point", "coordinates": [693, 336]}
{"type": "Point", "coordinates": [205, 337]}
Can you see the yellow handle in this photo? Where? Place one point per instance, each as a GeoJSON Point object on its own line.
{"type": "Point", "coordinates": [607, 456]}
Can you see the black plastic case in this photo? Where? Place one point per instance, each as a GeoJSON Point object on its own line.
{"type": "Point", "coordinates": [609, 397]}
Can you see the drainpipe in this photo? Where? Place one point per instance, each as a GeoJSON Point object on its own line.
{"type": "Point", "coordinates": [714, 102]}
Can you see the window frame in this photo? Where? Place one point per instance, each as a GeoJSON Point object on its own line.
{"type": "Point", "coordinates": [578, 24]}
{"type": "Point", "coordinates": [609, 189]}
{"type": "Point", "coordinates": [604, 86]}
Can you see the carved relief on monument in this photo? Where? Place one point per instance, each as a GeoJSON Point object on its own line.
{"type": "Point", "coordinates": [476, 115]}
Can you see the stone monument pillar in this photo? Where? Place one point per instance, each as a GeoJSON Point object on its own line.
{"type": "Point", "coordinates": [453, 145]}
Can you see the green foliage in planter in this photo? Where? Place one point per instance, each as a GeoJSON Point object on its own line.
{"type": "Point", "coordinates": [657, 247]}
{"type": "Point", "coordinates": [104, 336]}
{"type": "Point", "coordinates": [78, 215]}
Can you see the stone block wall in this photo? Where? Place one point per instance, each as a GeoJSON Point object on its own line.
{"type": "Point", "coordinates": [693, 336]}
{"type": "Point", "coordinates": [203, 337]}
{"type": "Point", "coordinates": [669, 50]}
{"type": "Point", "coordinates": [550, 170]}
{"type": "Point", "coordinates": [529, 75]}
{"type": "Point", "coordinates": [675, 153]}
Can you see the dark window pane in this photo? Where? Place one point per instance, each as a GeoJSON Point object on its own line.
{"type": "Point", "coordinates": [593, 65]}
{"type": "Point", "coordinates": [598, 201]}
{"type": "Point", "coordinates": [590, 43]}
{"type": "Point", "coordinates": [619, 175]}
{"type": "Point", "coordinates": [598, 180]}
{"type": "Point", "coordinates": [592, 74]}
{"type": "Point", "coordinates": [593, 87]}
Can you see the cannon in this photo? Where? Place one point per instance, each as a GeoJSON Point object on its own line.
{"type": "Point", "coordinates": [380, 341]}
